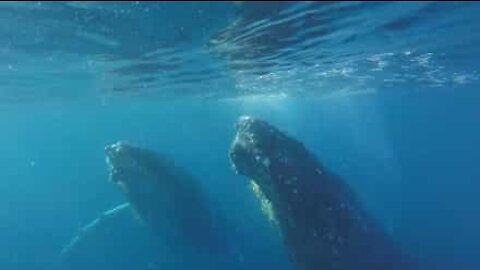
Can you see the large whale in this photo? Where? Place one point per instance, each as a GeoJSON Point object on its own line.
{"type": "Point", "coordinates": [322, 222]}
{"type": "Point", "coordinates": [167, 222]}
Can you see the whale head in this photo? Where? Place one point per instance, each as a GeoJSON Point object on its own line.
{"type": "Point", "coordinates": [137, 169]}
{"type": "Point", "coordinates": [126, 162]}
{"type": "Point", "coordinates": [267, 156]}
{"type": "Point", "coordinates": [250, 151]}
{"type": "Point", "coordinates": [150, 181]}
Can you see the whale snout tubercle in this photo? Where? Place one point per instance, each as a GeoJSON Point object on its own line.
{"type": "Point", "coordinates": [115, 159]}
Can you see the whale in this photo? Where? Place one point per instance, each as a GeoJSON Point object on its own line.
{"type": "Point", "coordinates": [321, 220]}
{"type": "Point", "coordinates": [167, 221]}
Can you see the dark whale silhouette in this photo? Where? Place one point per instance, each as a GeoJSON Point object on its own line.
{"type": "Point", "coordinates": [167, 223]}
{"type": "Point", "coordinates": [323, 224]}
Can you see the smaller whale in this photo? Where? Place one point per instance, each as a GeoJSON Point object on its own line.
{"type": "Point", "coordinates": [321, 220]}
{"type": "Point", "coordinates": [167, 222]}
{"type": "Point", "coordinates": [161, 193]}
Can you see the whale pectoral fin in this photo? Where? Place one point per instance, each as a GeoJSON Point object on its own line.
{"type": "Point", "coordinates": [96, 225]}
{"type": "Point", "coordinates": [100, 242]}
{"type": "Point", "coordinates": [265, 204]}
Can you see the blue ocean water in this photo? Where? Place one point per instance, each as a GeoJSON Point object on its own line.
{"type": "Point", "coordinates": [384, 93]}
